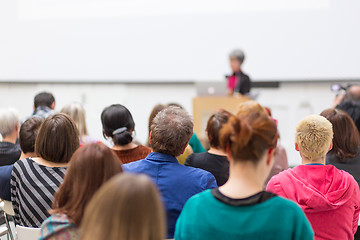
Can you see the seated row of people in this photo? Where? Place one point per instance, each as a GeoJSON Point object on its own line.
{"type": "Point", "coordinates": [247, 140]}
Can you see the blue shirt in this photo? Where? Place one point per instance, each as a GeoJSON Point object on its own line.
{"type": "Point", "coordinates": [5, 176]}
{"type": "Point", "coordinates": [177, 183]}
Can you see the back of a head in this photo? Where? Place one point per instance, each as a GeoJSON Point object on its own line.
{"type": "Point", "coordinates": [90, 167]}
{"type": "Point", "coordinates": [353, 109]}
{"type": "Point", "coordinates": [346, 139]}
{"type": "Point", "coordinates": [44, 99]}
{"type": "Point", "coordinates": [171, 131]}
{"type": "Point", "coordinates": [77, 112]}
{"type": "Point", "coordinates": [313, 136]}
{"type": "Point", "coordinates": [126, 207]}
{"type": "Point", "coordinates": [157, 108]}
{"type": "Point", "coordinates": [9, 119]}
{"type": "Point", "coordinates": [214, 124]}
{"type": "Point", "coordinates": [28, 132]}
{"type": "Point", "coordinates": [237, 54]}
{"type": "Point", "coordinates": [248, 137]}
{"type": "Point", "coordinates": [250, 107]}
{"type": "Point", "coordinates": [58, 138]}
{"type": "Point", "coordinates": [118, 123]}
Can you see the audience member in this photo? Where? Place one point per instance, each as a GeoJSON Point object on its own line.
{"type": "Point", "coordinates": [195, 144]}
{"type": "Point", "coordinates": [89, 168]}
{"type": "Point", "coordinates": [238, 82]}
{"type": "Point", "coordinates": [350, 103]}
{"type": "Point", "coordinates": [280, 156]}
{"type": "Point", "coordinates": [329, 197]}
{"type": "Point", "coordinates": [44, 105]}
{"type": "Point", "coordinates": [9, 129]}
{"type": "Point", "coordinates": [215, 160]}
{"type": "Point", "coordinates": [77, 112]}
{"type": "Point", "coordinates": [28, 132]}
{"type": "Point", "coordinates": [127, 207]}
{"type": "Point", "coordinates": [35, 180]}
{"type": "Point", "coordinates": [345, 154]}
{"type": "Point", "coordinates": [240, 209]}
{"type": "Point", "coordinates": [118, 124]}
{"type": "Point", "coordinates": [171, 131]}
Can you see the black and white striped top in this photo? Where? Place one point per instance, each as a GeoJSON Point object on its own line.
{"type": "Point", "coordinates": [32, 191]}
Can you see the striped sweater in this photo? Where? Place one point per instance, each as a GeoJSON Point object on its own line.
{"type": "Point", "coordinates": [32, 191]}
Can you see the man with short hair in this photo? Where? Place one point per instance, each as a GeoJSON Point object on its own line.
{"type": "Point", "coordinates": [329, 197]}
{"type": "Point", "coordinates": [9, 129]}
{"type": "Point", "coordinates": [171, 131]}
{"type": "Point", "coordinates": [44, 105]}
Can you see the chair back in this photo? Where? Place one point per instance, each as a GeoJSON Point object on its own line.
{"type": "Point", "coordinates": [27, 233]}
{"type": "Point", "coordinates": [7, 207]}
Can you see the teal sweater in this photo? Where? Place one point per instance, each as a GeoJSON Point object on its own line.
{"type": "Point", "coordinates": [207, 217]}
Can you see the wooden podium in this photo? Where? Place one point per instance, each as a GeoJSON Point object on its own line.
{"type": "Point", "coordinates": [204, 107]}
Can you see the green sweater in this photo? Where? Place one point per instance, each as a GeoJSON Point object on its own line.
{"type": "Point", "coordinates": [262, 216]}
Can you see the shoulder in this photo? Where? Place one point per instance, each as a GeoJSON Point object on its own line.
{"type": "Point", "coordinates": [57, 226]}
{"type": "Point", "coordinates": [133, 166]}
{"type": "Point", "coordinates": [200, 175]}
{"type": "Point", "coordinates": [199, 198]}
{"type": "Point", "coordinates": [195, 158]}
{"type": "Point", "coordinates": [275, 183]}
{"type": "Point", "coordinates": [21, 164]}
{"type": "Point", "coordinates": [144, 148]}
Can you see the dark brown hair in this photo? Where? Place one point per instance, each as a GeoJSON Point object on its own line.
{"type": "Point", "coordinates": [126, 207]}
{"type": "Point", "coordinates": [28, 132]}
{"type": "Point", "coordinates": [58, 138]}
{"type": "Point", "coordinates": [346, 138]}
{"type": "Point", "coordinates": [247, 138]}
{"type": "Point", "coordinates": [214, 124]}
{"type": "Point", "coordinates": [90, 166]}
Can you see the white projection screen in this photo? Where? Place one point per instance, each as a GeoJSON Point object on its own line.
{"type": "Point", "coordinates": [178, 40]}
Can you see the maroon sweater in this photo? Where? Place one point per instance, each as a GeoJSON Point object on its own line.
{"type": "Point", "coordinates": [131, 155]}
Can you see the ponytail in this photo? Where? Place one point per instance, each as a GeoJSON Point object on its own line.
{"type": "Point", "coordinates": [247, 138]}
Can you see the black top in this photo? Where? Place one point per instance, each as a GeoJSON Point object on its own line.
{"type": "Point", "coordinates": [215, 164]}
{"type": "Point", "coordinates": [254, 199]}
{"type": "Point", "coordinates": [9, 153]}
{"type": "Point", "coordinates": [243, 84]}
{"type": "Point", "coordinates": [350, 165]}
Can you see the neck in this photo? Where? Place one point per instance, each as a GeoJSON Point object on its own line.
{"type": "Point", "coordinates": [27, 155]}
{"type": "Point", "coordinates": [10, 138]}
{"type": "Point", "coordinates": [47, 163]}
{"type": "Point", "coordinates": [217, 151]}
{"type": "Point", "coordinates": [320, 160]}
{"type": "Point", "coordinates": [125, 147]}
{"type": "Point", "coordinates": [244, 180]}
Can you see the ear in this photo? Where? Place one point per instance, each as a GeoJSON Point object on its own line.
{"type": "Point", "coordinates": [52, 105]}
{"type": "Point", "coordinates": [296, 147]}
{"type": "Point", "coordinates": [184, 148]}
{"type": "Point", "coordinates": [331, 145]}
{"type": "Point", "coordinates": [270, 157]}
{"type": "Point", "coordinates": [150, 138]}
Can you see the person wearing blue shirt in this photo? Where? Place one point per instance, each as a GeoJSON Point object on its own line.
{"type": "Point", "coordinates": [171, 131]}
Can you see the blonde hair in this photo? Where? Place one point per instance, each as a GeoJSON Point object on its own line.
{"type": "Point", "coordinates": [313, 135]}
{"type": "Point", "coordinates": [126, 207]}
{"type": "Point", "coordinates": [249, 108]}
{"type": "Point", "coordinates": [77, 112]}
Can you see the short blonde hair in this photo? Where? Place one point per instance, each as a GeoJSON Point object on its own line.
{"type": "Point", "coordinates": [313, 135]}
